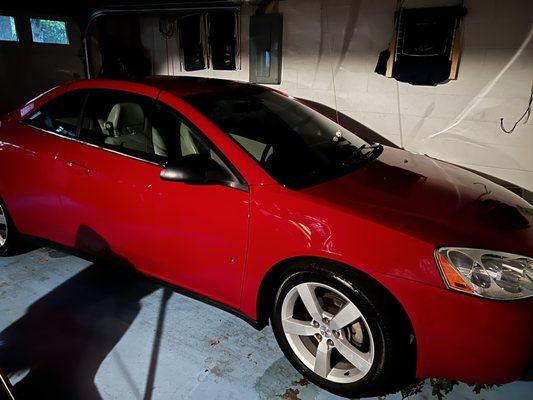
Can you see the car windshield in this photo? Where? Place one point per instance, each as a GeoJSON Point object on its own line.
{"type": "Point", "coordinates": [296, 145]}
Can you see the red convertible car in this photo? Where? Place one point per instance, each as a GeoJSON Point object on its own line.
{"type": "Point", "coordinates": [373, 265]}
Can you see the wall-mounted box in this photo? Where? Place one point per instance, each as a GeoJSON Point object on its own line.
{"type": "Point", "coordinates": [266, 34]}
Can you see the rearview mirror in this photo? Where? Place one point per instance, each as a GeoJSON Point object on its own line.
{"type": "Point", "coordinates": [195, 169]}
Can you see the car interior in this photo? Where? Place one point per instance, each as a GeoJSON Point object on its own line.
{"type": "Point", "coordinates": [130, 124]}
{"type": "Point", "coordinates": [137, 126]}
{"type": "Point", "coordinates": [127, 126]}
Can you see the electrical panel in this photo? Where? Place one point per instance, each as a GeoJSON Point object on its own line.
{"type": "Point", "coordinates": [266, 34]}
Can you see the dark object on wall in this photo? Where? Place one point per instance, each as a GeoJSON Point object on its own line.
{"type": "Point", "coordinates": [266, 32]}
{"type": "Point", "coordinates": [381, 66]}
{"type": "Point", "coordinates": [425, 47]}
{"type": "Point", "coordinates": [190, 36]}
{"type": "Point", "coordinates": [121, 50]}
{"type": "Point", "coordinates": [223, 40]}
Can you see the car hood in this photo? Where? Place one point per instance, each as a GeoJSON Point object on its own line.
{"type": "Point", "coordinates": [434, 200]}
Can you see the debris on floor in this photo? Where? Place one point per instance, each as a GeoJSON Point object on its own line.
{"type": "Point", "coordinates": [301, 382]}
{"type": "Point", "coordinates": [107, 317]}
{"type": "Point", "coordinates": [291, 394]}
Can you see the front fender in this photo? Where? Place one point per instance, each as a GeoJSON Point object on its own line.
{"type": "Point", "coordinates": [288, 225]}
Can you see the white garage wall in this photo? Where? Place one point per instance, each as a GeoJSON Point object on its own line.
{"type": "Point", "coordinates": [338, 41]}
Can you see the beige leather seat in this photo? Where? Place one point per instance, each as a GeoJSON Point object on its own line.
{"type": "Point", "coordinates": [129, 128]}
{"type": "Point", "coordinates": [187, 144]}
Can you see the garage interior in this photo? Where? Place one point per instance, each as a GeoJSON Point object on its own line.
{"type": "Point", "coordinates": [73, 332]}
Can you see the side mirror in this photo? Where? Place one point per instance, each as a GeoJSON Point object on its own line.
{"type": "Point", "coordinates": [195, 169]}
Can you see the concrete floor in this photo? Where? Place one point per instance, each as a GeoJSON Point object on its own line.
{"type": "Point", "coordinates": [77, 330]}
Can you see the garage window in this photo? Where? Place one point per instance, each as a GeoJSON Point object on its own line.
{"type": "Point", "coordinates": [49, 31]}
{"type": "Point", "coordinates": [8, 30]}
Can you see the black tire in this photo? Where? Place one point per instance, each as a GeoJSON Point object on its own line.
{"type": "Point", "coordinates": [394, 349]}
{"type": "Point", "coordinates": [12, 242]}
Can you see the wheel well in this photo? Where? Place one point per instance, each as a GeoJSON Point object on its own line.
{"type": "Point", "coordinates": [6, 211]}
{"type": "Point", "coordinates": [269, 285]}
{"type": "Point", "coordinates": [277, 273]}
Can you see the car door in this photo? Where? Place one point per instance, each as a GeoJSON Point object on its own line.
{"type": "Point", "coordinates": [34, 178]}
{"type": "Point", "coordinates": [194, 236]}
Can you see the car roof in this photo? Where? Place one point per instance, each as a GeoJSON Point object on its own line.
{"type": "Point", "coordinates": [180, 86]}
{"type": "Point", "coordinates": [188, 85]}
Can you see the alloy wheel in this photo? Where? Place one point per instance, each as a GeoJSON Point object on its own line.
{"type": "Point", "coordinates": [3, 227]}
{"type": "Point", "coordinates": [327, 332]}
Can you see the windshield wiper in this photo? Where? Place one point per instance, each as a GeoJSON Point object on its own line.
{"type": "Point", "coordinates": [362, 153]}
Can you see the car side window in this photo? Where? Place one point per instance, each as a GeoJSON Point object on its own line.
{"type": "Point", "coordinates": [187, 141]}
{"type": "Point", "coordinates": [61, 115]}
{"type": "Point", "coordinates": [136, 125]}
{"type": "Point", "coordinates": [127, 123]}
{"type": "Point", "coordinates": [142, 127]}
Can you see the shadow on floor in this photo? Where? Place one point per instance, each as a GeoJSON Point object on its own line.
{"type": "Point", "coordinates": [65, 335]}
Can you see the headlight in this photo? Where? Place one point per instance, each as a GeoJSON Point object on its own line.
{"type": "Point", "coordinates": [485, 273]}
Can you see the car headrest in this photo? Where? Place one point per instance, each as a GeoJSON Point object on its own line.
{"type": "Point", "coordinates": [126, 114]}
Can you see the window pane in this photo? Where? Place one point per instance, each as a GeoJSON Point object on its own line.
{"type": "Point", "coordinates": [146, 129]}
{"type": "Point", "coordinates": [128, 123]}
{"type": "Point", "coordinates": [60, 115]}
{"type": "Point", "coordinates": [49, 31]}
{"type": "Point", "coordinates": [8, 31]}
{"type": "Point", "coordinates": [294, 144]}
{"type": "Point", "coordinates": [254, 147]}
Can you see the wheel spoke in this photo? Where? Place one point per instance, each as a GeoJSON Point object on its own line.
{"type": "Point", "coordinates": [308, 296]}
{"type": "Point", "coordinates": [3, 227]}
{"type": "Point", "coordinates": [348, 314]}
{"type": "Point", "coordinates": [297, 327]}
{"type": "Point", "coordinates": [330, 326]}
{"type": "Point", "coordinates": [322, 365]}
{"type": "Point", "coordinates": [353, 356]}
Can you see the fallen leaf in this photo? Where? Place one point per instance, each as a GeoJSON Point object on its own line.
{"type": "Point", "coordinates": [301, 382]}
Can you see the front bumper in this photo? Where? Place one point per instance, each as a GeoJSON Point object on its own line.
{"type": "Point", "coordinates": [464, 337]}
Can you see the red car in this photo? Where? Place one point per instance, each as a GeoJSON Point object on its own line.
{"type": "Point", "coordinates": [372, 264]}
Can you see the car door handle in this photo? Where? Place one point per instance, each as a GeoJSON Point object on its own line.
{"type": "Point", "coordinates": [78, 167]}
